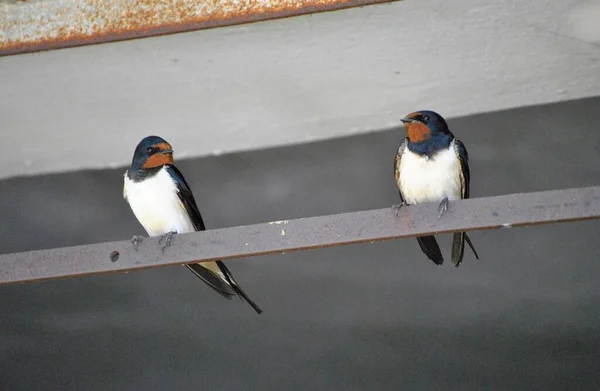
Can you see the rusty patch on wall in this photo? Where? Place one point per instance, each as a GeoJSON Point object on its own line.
{"type": "Point", "coordinates": [33, 25]}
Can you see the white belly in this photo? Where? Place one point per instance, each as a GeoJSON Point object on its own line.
{"type": "Point", "coordinates": [430, 180]}
{"type": "Point", "coordinates": [156, 204]}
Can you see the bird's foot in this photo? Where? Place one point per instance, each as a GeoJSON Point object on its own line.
{"type": "Point", "coordinates": [396, 208]}
{"type": "Point", "coordinates": [165, 240]}
{"type": "Point", "coordinates": [135, 241]}
{"type": "Point", "coordinates": [443, 207]}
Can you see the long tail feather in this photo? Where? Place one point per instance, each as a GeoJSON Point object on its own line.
{"type": "Point", "coordinates": [236, 287]}
{"type": "Point", "coordinates": [458, 248]}
{"type": "Point", "coordinates": [212, 280]}
{"type": "Point", "coordinates": [471, 245]}
{"type": "Point", "coordinates": [430, 247]}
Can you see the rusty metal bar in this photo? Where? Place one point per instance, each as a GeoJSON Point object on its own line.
{"type": "Point", "coordinates": [307, 233]}
{"type": "Point", "coordinates": [34, 25]}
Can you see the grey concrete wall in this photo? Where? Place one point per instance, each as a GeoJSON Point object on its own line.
{"type": "Point", "coordinates": [294, 80]}
{"type": "Point", "coordinates": [363, 317]}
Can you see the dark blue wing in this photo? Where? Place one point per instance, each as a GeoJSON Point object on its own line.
{"type": "Point", "coordinates": [463, 158]}
{"type": "Point", "coordinates": [187, 198]}
{"type": "Point", "coordinates": [228, 287]}
{"type": "Point", "coordinates": [459, 238]}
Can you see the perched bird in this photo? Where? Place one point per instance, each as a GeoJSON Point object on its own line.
{"type": "Point", "coordinates": [432, 166]}
{"type": "Point", "coordinates": [164, 205]}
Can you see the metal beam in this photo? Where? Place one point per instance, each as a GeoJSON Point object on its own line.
{"type": "Point", "coordinates": [29, 26]}
{"type": "Point", "coordinates": [307, 233]}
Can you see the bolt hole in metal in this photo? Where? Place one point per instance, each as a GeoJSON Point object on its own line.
{"type": "Point", "coordinates": [114, 256]}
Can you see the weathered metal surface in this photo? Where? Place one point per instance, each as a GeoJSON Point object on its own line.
{"type": "Point", "coordinates": [308, 233]}
{"type": "Point", "coordinates": [33, 25]}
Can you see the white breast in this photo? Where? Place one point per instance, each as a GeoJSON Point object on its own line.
{"type": "Point", "coordinates": [156, 204]}
{"type": "Point", "coordinates": [425, 179]}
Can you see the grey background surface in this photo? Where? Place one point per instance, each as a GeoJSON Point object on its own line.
{"type": "Point", "coordinates": [363, 317]}
{"type": "Point", "coordinates": [286, 81]}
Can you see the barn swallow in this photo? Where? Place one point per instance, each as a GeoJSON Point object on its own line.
{"type": "Point", "coordinates": [431, 165]}
{"type": "Point", "coordinates": [163, 203]}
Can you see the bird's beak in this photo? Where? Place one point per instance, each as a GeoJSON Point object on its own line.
{"type": "Point", "coordinates": [407, 120]}
{"type": "Point", "coordinates": [166, 151]}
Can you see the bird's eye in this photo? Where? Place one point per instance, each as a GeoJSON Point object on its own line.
{"type": "Point", "coordinates": [149, 149]}
{"type": "Point", "coordinates": [425, 118]}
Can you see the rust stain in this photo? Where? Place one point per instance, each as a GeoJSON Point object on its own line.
{"type": "Point", "coordinates": [34, 25]}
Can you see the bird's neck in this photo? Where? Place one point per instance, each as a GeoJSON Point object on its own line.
{"type": "Point", "coordinates": [138, 174]}
{"type": "Point", "coordinates": [431, 146]}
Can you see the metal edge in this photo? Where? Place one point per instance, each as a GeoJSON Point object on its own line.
{"type": "Point", "coordinates": [123, 34]}
{"type": "Point", "coordinates": [276, 237]}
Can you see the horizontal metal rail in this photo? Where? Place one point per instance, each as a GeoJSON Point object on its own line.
{"type": "Point", "coordinates": [307, 233]}
{"type": "Point", "coordinates": [29, 26]}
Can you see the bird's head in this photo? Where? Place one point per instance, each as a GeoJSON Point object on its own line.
{"type": "Point", "coordinates": [424, 125]}
{"type": "Point", "coordinates": [151, 152]}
